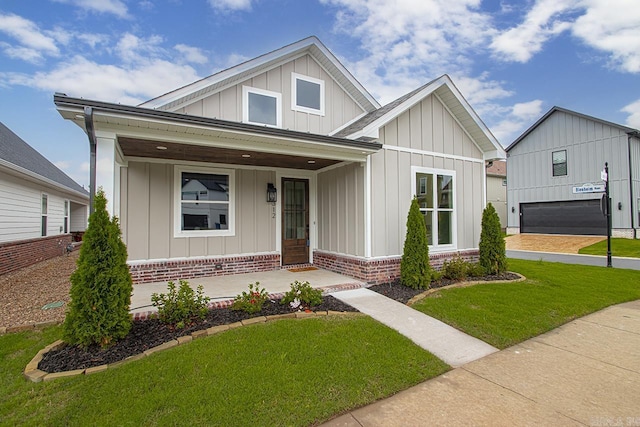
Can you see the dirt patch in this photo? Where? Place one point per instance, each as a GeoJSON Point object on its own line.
{"type": "Point", "coordinates": [26, 291]}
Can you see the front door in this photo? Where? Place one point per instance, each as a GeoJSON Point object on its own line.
{"type": "Point", "coordinates": [295, 221]}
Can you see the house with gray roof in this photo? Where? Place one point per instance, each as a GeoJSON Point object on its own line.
{"type": "Point", "coordinates": [40, 206]}
{"type": "Point", "coordinates": [555, 182]}
{"type": "Point", "coordinates": [308, 168]}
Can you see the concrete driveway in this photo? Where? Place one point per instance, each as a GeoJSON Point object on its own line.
{"type": "Point", "coordinates": [550, 242]}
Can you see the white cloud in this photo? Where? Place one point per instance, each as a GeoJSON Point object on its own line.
{"type": "Point", "coordinates": [29, 36]}
{"type": "Point", "coordinates": [612, 26]}
{"type": "Point", "coordinates": [23, 53]}
{"type": "Point", "coordinates": [515, 120]}
{"type": "Point", "coordinates": [132, 48]}
{"type": "Point", "coordinates": [115, 7]}
{"type": "Point", "coordinates": [230, 5]}
{"type": "Point", "coordinates": [546, 19]}
{"type": "Point", "coordinates": [192, 54]}
{"type": "Point", "coordinates": [633, 110]}
{"type": "Point", "coordinates": [130, 84]}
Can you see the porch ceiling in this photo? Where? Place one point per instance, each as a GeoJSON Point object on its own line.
{"type": "Point", "coordinates": [135, 147]}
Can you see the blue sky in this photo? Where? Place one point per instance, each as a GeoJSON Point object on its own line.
{"type": "Point", "coordinates": [512, 59]}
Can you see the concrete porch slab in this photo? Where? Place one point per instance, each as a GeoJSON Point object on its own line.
{"type": "Point", "coordinates": [222, 288]}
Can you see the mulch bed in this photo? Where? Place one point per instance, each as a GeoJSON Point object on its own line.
{"type": "Point", "coordinates": [146, 334]}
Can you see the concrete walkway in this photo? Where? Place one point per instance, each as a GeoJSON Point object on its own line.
{"type": "Point", "coordinates": [586, 372]}
{"type": "Point", "coordinates": [449, 344]}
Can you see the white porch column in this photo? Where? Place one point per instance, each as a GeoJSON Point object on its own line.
{"type": "Point", "coordinates": [106, 167]}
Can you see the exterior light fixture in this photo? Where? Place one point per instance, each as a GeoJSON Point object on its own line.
{"type": "Point", "coordinates": [619, 206]}
{"type": "Point", "coordinates": [513, 209]}
{"type": "Point", "coordinates": [161, 147]}
{"type": "Point", "coordinates": [272, 193]}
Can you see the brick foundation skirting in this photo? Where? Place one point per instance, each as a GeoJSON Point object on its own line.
{"type": "Point", "coordinates": [379, 271]}
{"type": "Point", "coordinates": [23, 253]}
{"type": "Point", "coordinates": [162, 271]}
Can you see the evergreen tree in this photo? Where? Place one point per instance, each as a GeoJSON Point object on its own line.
{"type": "Point", "coordinates": [493, 257]}
{"type": "Point", "coordinates": [101, 285]}
{"type": "Point", "coordinates": [414, 267]}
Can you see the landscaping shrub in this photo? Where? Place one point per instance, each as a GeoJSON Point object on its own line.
{"type": "Point", "coordinates": [493, 256]}
{"type": "Point", "coordinates": [475, 270]}
{"type": "Point", "coordinates": [180, 307]}
{"type": "Point", "coordinates": [251, 301]}
{"type": "Point", "coordinates": [455, 269]}
{"type": "Point", "coordinates": [414, 267]}
{"type": "Point", "coordinates": [101, 285]}
{"type": "Point", "coordinates": [302, 294]}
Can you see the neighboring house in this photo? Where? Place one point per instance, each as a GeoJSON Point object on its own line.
{"type": "Point", "coordinates": [497, 189]}
{"type": "Point", "coordinates": [292, 124]}
{"type": "Point", "coordinates": [40, 206]}
{"type": "Point", "coordinates": [554, 182]}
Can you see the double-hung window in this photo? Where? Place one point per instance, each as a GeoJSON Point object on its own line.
{"type": "Point", "coordinates": [435, 190]}
{"type": "Point", "coordinates": [261, 107]}
{"type": "Point", "coordinates": [559, 163]}
{"type": "Point", "coordinates": [65, 224]}
{"type": "Point", "coordinates": [307, 94]}
{"type": "Point", "coordinates": [44, 211]}
{"type": "Point", "coordinates": [205, 202]}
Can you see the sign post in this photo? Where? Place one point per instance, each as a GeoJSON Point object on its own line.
{"type": "Point", "coordinates": [605, 176]}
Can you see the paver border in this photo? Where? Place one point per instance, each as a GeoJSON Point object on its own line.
{"type": "Point", "coordinates": [33, 374]}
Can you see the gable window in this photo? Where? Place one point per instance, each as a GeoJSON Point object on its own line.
{"type": "Point", "coordinates": [559, 161]}
{"type": "Point", "coordinates": [261, 107]}
{"type": "Point", "coordinates": [205, 202]}
{"type": "Point", "coordinates": [435, 190]}
{"type": "Point", "coordinates": [307, 94]}
{"type": "Point", "coordinates": [45, 208]}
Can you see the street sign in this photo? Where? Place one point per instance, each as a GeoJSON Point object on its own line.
{"type": "Point", "coordinates": [604, 175]}
{"type": "Point", "coordinates": [589, 188]}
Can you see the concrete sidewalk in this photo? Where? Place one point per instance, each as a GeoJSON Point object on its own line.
{"type": "Point", "coordinates": [586, 372]}
{"type": "Point", "coordinates": [449, 344]}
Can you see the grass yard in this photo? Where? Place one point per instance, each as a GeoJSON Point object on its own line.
{"type": "Point", "coordinates": [508, 313]}
{"type": "Point", "coordinates": [287, 372]}
{"type": "Point", "coordinates": [619, 247]}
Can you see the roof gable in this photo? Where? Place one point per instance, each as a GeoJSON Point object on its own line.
{"type": "Point", "coordinates": [216, 82]}
{"type": "Point", "coordinates": [369, 125]}
{"type": "Point", "coordinates": [14, 151]}
{"type": "Point", "coordinates": [574, 113]}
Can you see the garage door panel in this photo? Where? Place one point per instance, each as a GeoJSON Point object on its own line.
{"type": "Point", "coordinates": [579, 217]}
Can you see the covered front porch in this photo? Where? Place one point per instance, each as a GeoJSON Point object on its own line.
{"type": "Point", "coordinates": [223, 289]}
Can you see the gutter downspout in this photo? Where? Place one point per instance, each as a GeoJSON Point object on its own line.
{"type": "Point", "coordinates": [629, 136]}
{"type": "Point", "coordinates": [91, 133]}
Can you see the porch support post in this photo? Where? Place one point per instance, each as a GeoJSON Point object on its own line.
{"type": "Point", "coordinates": [367, 208]}
{"type": "Point", "coordinates": [106, 168]}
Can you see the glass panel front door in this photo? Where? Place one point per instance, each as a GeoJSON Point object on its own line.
{"type": "Point", "coordinates": [295, 221]}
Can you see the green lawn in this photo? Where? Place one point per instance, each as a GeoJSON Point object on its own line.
{"type": "Point", "coordinates": [508, 313]}
{"type": "Point", "coordinates": [287, 372]}
{"type": "Point", "coordinates": [619, 247]}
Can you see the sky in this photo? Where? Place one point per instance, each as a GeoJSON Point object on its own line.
{"type": "Point", "coordinates": [512, 59]}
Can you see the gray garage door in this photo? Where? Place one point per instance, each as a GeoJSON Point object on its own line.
{"type": "Point", "coordinates": [579, 217]}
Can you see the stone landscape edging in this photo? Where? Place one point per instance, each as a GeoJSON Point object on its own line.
{"type": "Point", "coordinates": [33, 374]}
{"type": "Point", "coordinates": [464, 284]}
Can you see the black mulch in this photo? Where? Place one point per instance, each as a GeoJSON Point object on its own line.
{"type": "Point", "coordinates": [150, 333]}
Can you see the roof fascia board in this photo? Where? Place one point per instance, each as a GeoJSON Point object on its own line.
{"type": "Point", "coordinates": [166, 117]}
{"type": "Point", "coordinates": [39, 179]}
{"type": "Point", "coordinates": [349, 123]}
{"type": "Point", "coordinates": [302, 46]}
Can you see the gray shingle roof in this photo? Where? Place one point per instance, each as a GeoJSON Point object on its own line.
{"type": "Point", "coordinates": [16, 151]}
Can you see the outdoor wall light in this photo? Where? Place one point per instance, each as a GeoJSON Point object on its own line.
{"type": "Point", "coordinates": [272, 193]}
{"type": "Point", "coordinates": [619, 206]}
{"type": "Point", "coordinates": [513, 209]}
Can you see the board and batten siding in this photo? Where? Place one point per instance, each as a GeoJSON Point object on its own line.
{"type": "Point", "coordinates": [426, 127]}
{"type": "Point", "coordinates": [340, 108]}
{"type": "Point", "coordinates": [341, 228]}
{"type": "Point", "coordinates": [589, 144]}
{"type": "Point", "coordinates": [147, 203]}
{"type": "Point", "coordinates": [497, 196]}
{"type": "Point", "coordinates": [21, 210]}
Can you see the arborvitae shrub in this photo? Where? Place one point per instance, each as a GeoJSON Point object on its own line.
{"type": "Point", "coordinates": [101, 285]}
{"type": "Point", "coordinates": [493, 256]}
{"type": "Point", "coordinates": [414, 267]}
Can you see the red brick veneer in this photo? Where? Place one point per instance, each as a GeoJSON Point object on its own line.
{"type": "Point", "coordinates": [381, 270]}
{"type": "Point", "coordinates": [23, 253]}
{"type": "Point", "coordinates": [161, 271]}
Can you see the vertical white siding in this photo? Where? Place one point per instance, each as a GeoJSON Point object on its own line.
{"type": "Point", "coordinates": [147, 221]}
{"type": "Point", "coordinates": [589, 144]}
{"type": "Point", "coordinates": [497, 196]}
{"type": "Point", "coordinates": [340, 108]}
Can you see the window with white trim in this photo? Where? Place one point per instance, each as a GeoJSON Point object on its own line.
{"type": "Point", "coordinates": [559, 162]}
{"type": "Point", "coordinates": [45, 208]}
{"type": "Point", "coordinates": [205, 202]}
{"type": "Point", "coordinates": [65, 225]}
{"type": "Point", "coordinates": [307, 94]}
{"type": "Point", "coordinates": [261, 107]}
{"type": "Point", "coordinates": [435, 190]}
